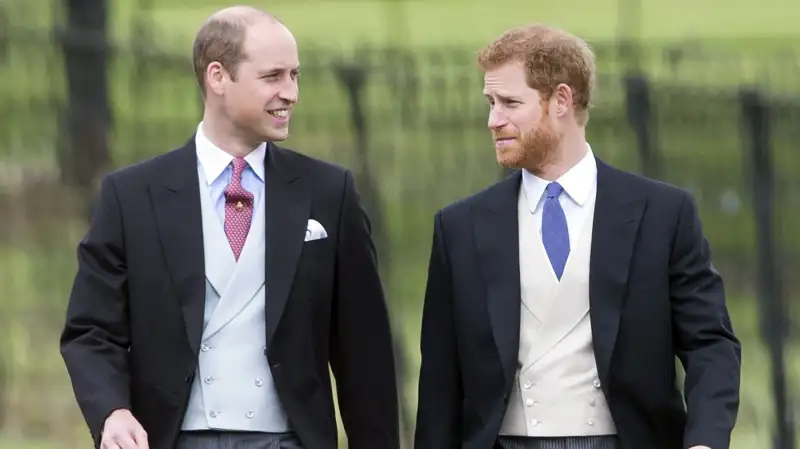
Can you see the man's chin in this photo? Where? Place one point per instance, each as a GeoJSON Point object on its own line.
{"type": "Point", "coordinates": [508, 159]}
{"type": "Point", "coordinates": [508, 164]}
{"type": "Point", "coordinates": [273, 135]}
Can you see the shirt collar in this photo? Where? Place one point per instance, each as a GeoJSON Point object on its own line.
{"type": "Point", "coordinates": [577, 182]}
{"type": "Point", "coordinates": [214, 160]}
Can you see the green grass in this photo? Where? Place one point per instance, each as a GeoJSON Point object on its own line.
{"type": "Point", "coordinates": [25, 444]}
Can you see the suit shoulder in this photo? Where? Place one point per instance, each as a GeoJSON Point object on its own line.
{"type": "Point", "coordinates": [667, 197]}
{"type": "Point", "coordinates": [142, 170]}
{"type": "Point", "coordinates": [654, 186]}
{"type": "Point", "coordinates": [484, 196]}
{"type": "Point", "coordinates": [319, 168]}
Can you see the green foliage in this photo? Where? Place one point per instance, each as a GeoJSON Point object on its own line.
{"type": "Point", "coordinates": [471, 22]}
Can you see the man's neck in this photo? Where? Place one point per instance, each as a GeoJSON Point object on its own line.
{"type": "Point", "coordinates": [224, 138]}
{"type": "Point", "coordinates": [571, 151]}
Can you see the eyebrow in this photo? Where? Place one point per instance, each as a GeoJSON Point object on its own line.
{"type": "Point", "coordinates": [503, 97]}
{"type": "Point", "coordinates": [274, 70]}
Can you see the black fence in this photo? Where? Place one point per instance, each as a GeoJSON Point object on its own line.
{"type": "Point", "coordinates": [412, 126]}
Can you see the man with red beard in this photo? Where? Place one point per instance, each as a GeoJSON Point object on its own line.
{"type": "Point", "coordinates": [558, 299]}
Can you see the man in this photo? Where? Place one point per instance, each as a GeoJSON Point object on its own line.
{"type": "Point", "coordinates": [558, 298]}
{"type": "Point", "coordinates": [218, 281]}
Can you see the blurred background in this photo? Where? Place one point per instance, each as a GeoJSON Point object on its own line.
{"type": "Point", "coordinates": [701, 94]}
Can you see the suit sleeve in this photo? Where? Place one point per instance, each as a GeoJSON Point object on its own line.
{"type": "Point", "coordinates": [440, 396]}
{"type": "Point", "coordinates": [362, 356]}
{"type": "Point", "coordinates": [705, 342]}
{"type": "Point", "coordinates": [94, 342]}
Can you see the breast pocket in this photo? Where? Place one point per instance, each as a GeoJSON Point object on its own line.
{"type": "Point", "coordinates": [317, 247]}
{"type": "Point", "coordinates": [317, 260]}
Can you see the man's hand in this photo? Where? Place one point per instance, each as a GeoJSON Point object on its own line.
{"type": "Point", "coordinates": [122, 431]}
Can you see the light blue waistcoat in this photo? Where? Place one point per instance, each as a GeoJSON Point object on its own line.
{"type": "Point", "coordinates": [233, 388]}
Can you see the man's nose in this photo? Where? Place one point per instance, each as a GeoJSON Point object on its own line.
{"type": "Point", "coordinates": [496, 119]}
{"type": "Point", "coordinates": [290, 92]}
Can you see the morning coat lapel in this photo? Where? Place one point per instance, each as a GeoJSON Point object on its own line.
{"type": "Point", "coordinates": [618, 212]}
{"type": "Point", "coordinates": [175, 194]}
{"type": "Point", "coordinates": [496, 235]}
{"type": "Point", "coordinates": [288, 209]}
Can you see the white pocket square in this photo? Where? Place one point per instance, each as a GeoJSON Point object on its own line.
{"type": "Point", "coordinates": [315, 231]}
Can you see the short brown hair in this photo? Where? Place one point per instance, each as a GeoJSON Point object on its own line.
{"type": "Point", "coordinates": [551, 56]}
{"type": "Point", "coordinates": [221, 39]}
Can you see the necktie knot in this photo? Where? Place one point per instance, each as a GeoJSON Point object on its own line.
{"type": "Point", "coordinates": [553, 190]}
{"type": "Point", "coordinates": [239, 164]}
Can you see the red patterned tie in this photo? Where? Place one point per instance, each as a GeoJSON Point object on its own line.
{"type": "Point", "coordinates": [238, 209]}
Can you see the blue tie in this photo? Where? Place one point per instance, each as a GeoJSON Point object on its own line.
{"type": "Point", "coordinates": [555, 234]}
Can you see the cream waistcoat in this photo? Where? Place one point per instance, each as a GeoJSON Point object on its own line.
{"type": "Point", "coordinates": [556, 391]}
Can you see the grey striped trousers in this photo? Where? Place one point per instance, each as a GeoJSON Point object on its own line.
{"type": "Point", "coordinates": [237, 440]}
{"type": "Point", "coordinates": [592, 442]}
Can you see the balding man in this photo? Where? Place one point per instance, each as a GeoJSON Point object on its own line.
{"type": "Point", "coordinates": [218, 281]}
